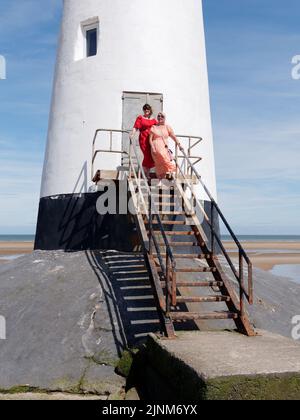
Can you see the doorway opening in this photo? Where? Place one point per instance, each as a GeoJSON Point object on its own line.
{"type": "Point", "coordinates": [133, 103]}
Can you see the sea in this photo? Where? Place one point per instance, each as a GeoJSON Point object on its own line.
{"type": "Point", "coordinates": [243, 238]}
{"type": "Point", "coordinates": [264, 238]}
{"type": "Point", "coordinates": [17, 238]}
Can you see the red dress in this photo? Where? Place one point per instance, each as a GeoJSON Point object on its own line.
{"type": "Point", "coordinates": [144, 125]}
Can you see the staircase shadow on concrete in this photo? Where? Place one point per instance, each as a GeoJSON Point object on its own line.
{"type": "Point", "coordinates": [126, 285]}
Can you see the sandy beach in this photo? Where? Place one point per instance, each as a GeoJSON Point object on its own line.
{"type": "Point", "coordinates": [10, 249]}
{"type": "Point", "coordinates": [264, 255]}
{"type": "Point", "coordinates": [280, 245]}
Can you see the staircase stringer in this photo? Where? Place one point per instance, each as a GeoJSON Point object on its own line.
{"type": "Point", "coordinates": [242, 323]}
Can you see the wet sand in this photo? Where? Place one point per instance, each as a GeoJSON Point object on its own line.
{"type": "Point", "coordinates": [10, 249]}
{"type": "Point", "coordinates": [266, 255]}
{"type": "Point", "coordinates": [266, 245]}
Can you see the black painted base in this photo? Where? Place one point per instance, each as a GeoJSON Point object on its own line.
{"type": "Point", "coordinates": [72, 223]}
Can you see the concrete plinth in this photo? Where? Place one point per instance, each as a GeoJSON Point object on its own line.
{"type": "Point", "coordinates": [223, 366]}
{"type": "Point", "coordinates": [65, 324]}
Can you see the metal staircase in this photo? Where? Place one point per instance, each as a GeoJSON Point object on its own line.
{"type": "Point", "coordinates": [188, 264]}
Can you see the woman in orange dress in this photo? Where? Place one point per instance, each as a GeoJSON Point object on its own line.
{"type": "Point", "coordinates": [143, 124]}
{"type": "Point", "coordinates": [159, 136]}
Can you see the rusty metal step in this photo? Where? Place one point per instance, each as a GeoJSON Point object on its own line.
{"type": "Point", "coordinates": [192, 316]}
{"type": "Point", "coordinates": [175, 196]}
{"type": "Point", "coordinates": [177, 233]}
{"type": "Point", "coordinates": [196, 270]}
{"type": "Point", "coordinates": [167, 203]}
{"type": "Point", "coordinates": [202, 299]}
{"type": "Point", "coordinates": [176, 244]}
{"type": "Point", "coordinates": [188, 256]}
{"type": "Point", "coordinates": [158, 190]}
{"type": "Point", "coordinates": [170, 222]}
{"type": "Point", "coordinates": [172, 213]}
{"type": "Point", "coordinates": [180, 284]}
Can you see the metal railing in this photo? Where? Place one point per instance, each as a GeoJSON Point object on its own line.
{"type": "Point", "coordinates": [110, 149]}
{"type": "Point", "coordinates": [215, 238]}
{"type": "Point", "coordinates": [191, 141]}
{"type": "Point", "coordinates": [137, 176]}
{"type": "Point", "coordinates": [187, 174]}
{"type": "Point", "coordinates": [151, 212]}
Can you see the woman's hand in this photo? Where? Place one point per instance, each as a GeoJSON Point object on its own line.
{"type": "Point", "coordinates": [153, 148]}
{"type": "Point", "coordinates": [132, 134]}
{"type": "Point", "coordinates": [173, 137]}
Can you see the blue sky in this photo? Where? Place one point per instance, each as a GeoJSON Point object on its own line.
{"type": "Point", "coordinates": [255, 108]}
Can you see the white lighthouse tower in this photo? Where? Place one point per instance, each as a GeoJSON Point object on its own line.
{"type": "Point", "coordinates": [113, 57]}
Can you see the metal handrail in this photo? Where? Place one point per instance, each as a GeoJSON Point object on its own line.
{"type": "Point", "coordinates": [95, 152]}
{"type": "Point", "coordinates": [169, 268]}
{"type": "Point", "coordinates": [139, 175]}
{"type": "Point", "coordinates": [193, 141]}
{"type": "Point", "coordinates": [214, 236]}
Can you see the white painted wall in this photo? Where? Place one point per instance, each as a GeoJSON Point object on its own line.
{"type": "Point", "coordinates": [156, 46]}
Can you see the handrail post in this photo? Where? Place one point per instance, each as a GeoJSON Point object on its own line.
{"type": "Point", "coordinates": [93, 155]}
{"type": "Point", "coordinates": [111, 140]}
{"type": "Point", "coordinates": [160, 192]}
{"type": "Point", "coordinates": [190, 145]}
{"type": "Point", "coordinates": [250, 283]}
{"type": "Point", "coordinates": [212, 228]}
{"type": "Point", "coordinates": [176, 157]}
{"type": "Point", "coordinates": [168, 294]}
{"type": "Point", "coordinates": [130, 162]}
{"type": "Point", "coordinates": [174, 286]}
{"type": "Point", "coordinates": [150, 225]}
{"type": "Point", "coordinates": [242, 285]}
{"type": "Point", "coordinates": [139, 188]}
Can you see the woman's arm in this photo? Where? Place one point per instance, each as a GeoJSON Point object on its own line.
{"type": "Point", "coordinates": [133, 133]}
{"type": "Point", "coordinates": [137, 126]}
{"type": "Point", "coordinates": [173, 137]}
{"type": "Point", "coordinates": [151, 140]}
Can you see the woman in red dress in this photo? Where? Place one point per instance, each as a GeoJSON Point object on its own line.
{"type": "Point", "coordinates": [143, 124]}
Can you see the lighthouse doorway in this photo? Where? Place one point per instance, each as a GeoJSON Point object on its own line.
{"type": "Point", "coordinates": [133, 103]}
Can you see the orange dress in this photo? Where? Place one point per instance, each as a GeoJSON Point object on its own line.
{"type": "Point", "coordinates": [160, 150]}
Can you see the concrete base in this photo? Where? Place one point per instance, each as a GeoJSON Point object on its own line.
{"type": "Point", "coordinates": [223, 366]}
{"type": "Point", "coordinates": [64, 332]}
{"type": "Point", "coordinates": [50, 397]}
{"type": "Point", "coordinates": [69, 317]}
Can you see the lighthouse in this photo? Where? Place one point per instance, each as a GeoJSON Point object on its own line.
{"type": "Point", "coordinates": [113, 57]}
